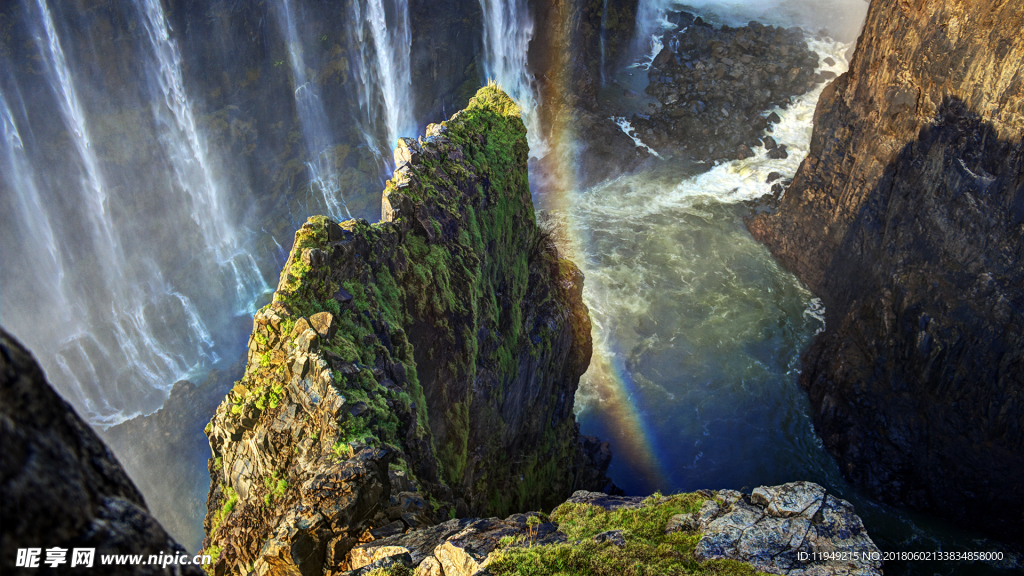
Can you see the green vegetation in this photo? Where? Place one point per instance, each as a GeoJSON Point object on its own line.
{"type": "Point", "coordinates": [459, 276]}
{"type": "Point", "coordinates": [397, 570]}
{"type": "Point", "coordinates": [648, 550]}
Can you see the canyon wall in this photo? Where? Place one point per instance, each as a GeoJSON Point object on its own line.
{"type": "Point", "coordinates": [906, 218]}
{"type": "Point", "coordinates": [63, 488]}
{"type": "Point", "coordinates": [417, 369]}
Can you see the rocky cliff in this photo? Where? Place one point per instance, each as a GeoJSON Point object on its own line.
{"type": "Point", "coordinates": [407, 371]}
{"type": "Point", "coordinates": [793, 529]}
{"type": "Point", "coordinates": [907, 218]}
{"type": "Point", "coordinates": [63, 489]}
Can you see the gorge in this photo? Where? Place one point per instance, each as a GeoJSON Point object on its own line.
{"type": "Point", "coordinates": [161, 157]}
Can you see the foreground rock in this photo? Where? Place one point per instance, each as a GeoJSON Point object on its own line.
{"type": "Point", "coordinates": [907, 218]}
{"type": "Point", "coordinates": [793, 529]}
{"type": "Point", "coordinates": [410, 371]}
{"type": "Point", "coordinates": [714, 85]}
{"type": "Point", "coordinates": [62, 487]}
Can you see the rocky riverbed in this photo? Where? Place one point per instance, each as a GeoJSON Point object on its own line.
{"type": "Point", "coordinates": [715, 86]}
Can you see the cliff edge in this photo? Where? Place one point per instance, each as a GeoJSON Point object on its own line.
{"type": "Point", "coordinates": [906, 218]}
{"type": "Point", "coordinates": [408, 371]}
{"type": "Point", "coordinates": [67, 504]}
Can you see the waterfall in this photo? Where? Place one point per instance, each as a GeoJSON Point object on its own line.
{"type": "Point", "coordinates": [604, 34]}
{"type": "Point", "coordinates": [386, 76]}
{"type": "Point", "coordinates": [189, 158]}
{"type": "Point", "coordinates": [316, 131]}
{"type": "Point", "coordinates": [123, 249]}
{"type": "Point", "coordinates": [508, 28]}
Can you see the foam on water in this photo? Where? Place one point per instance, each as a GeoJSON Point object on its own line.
{"type": "Point", "coordinates": [628, 130]}
{"type": "Point", "coordinates": [840, 19]}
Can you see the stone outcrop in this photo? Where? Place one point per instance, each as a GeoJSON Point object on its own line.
{"type": "Point", "coordinates": [714, 85]}
{"type": "Point", "coordinates": [906, 218]}
{"type": "Point", "coordinates": [61, 486]}
{"type": "Point", "coordinates": [791, 529]}
{"type": "Point", "coordinates": [421, 368]}
{"type": "Point", "coordinates": [794, 529]}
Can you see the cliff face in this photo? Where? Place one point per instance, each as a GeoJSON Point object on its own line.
{"type": "Point", "coordinates": [434, 356]}
{"type": "Point", "coordinates": [906, 218]}
{"type": "Point", "coordinates": [62, 487]}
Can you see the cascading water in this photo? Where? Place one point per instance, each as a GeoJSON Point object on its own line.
{"type": "Point", "coordinates": [316, 131]}
{"type": "Point", "coordinates": [508, 28]}
{"type": "Point", "coordinates": [189, 158]}
{"type": "Point", "coordinates": [840, 19]}
{"type": "Point", "coordinates": [385, 72]}
{"type": "Point", "coordinates": [102, 288]}
{"type": "Point", "coordinates": [604, 33]}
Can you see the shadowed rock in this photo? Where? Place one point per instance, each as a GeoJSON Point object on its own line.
{"type": "Point", "coordinates": [62, 487]}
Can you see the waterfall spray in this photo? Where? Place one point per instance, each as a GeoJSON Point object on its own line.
{"type": "Point", "coordinates": [188, 154]}
{"type": "Point", "coordinates": [386, 74]}
{"type": "Point", "coordinates": [107, 325]}
{"type": "Point", "coordinates": [316, 131]}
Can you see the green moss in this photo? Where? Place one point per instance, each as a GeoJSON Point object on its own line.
{"type": "Point", "coordinates": [648, 550]}
{"type": "Point", "coordinates": [466, 291]}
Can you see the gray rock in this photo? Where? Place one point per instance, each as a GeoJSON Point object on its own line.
{"type": "Point", "coordinates": [613, 537]}
{"type": "Point", "coordinates": [784, 529]}
{"type": "Point", "coordinates": [401, 559]}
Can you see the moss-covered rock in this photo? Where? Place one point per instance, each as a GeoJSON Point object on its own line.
{"type": "Point", "coordinates": [794, 528]}
{"type": "Point", "coordinates": [437, 352]}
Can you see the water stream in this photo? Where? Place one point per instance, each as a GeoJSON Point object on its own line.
{"type": "Point", "coordinates": [316, 131]}
{"type": "Point", "coordinates": [698, 330]}
{"type": "Point", "coordinates": [99, 275]}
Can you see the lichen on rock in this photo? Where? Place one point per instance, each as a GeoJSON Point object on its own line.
{"type": "Point", "coordinates": [795, 529]}
{"type": "Point", "coordinates": [432, 357]}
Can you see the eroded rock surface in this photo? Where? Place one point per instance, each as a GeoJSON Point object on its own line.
{"type": "Point", "coordinates": [62, 487]}
{"type": "Point", "coordinates": [794, 528]}
{"type": "Point", "coordinates": [906, 218]}
{"type": "Point", "coordinates": [408, 371]}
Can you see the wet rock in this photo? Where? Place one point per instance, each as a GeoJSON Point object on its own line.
{"type": "Point", "coordinates": [719, 82]}
{"type": "Point", "coordinates": [778, 152]}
